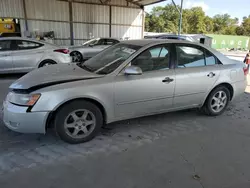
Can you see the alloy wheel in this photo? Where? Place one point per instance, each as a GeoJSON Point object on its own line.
{"type": "Point", "coordinates": [219, 101]}
{"type": "Point", "coordinates": [80, 123]}
{"type": "Point", "coordinates": [76, 57]}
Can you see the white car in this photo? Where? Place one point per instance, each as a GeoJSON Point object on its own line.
{"type": "Point", "coordinates": [21, 55]}
{"type": "Point", "coordinates": [91, 48]}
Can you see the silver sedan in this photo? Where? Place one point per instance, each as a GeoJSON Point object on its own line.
{"type": "Point", "coordinates": [128, 80]}
{"type": "Point", "coordinates": [90, 48]}
{"type": "Point", "coordinates": [21, 55]}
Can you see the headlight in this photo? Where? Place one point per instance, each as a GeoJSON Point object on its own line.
{"type": "Point", "coordinates": [23, 99]}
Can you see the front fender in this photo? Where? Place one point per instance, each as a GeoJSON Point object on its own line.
{"type": "Point", "coordinates": [52, 99]}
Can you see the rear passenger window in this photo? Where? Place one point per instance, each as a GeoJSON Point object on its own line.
{"type": "Point", "coordinates": [5, 45]}
{"type": "Point", "coordinates": [189, 56]}
{"type": "Point", "coordinates": [26, 45]}
{"type": "Point", "coordinates": [110, 42]}
{"type": "Point", "coordinates": [210, 59]}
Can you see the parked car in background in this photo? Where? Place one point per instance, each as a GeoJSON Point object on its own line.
{"type": "Point", "coordinates": [131, 79]}
{"type": "Point", "coordinates": [21, 55]}
{"type": "Point", "coordinates": [176, 37]}
{"type": "Point", "coordinates": [90, 48]}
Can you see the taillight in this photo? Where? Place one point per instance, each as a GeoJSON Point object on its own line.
{"type": "Point", "coordinates": [245, 69]}
{"type": "Point", "coordinates": [64, 51]}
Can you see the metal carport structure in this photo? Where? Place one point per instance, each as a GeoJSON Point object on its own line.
{"type": "Point", "coordinates": [75, 21]}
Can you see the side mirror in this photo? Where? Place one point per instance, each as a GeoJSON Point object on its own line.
{"type": "Point", "coordinates": [91, 45]}
{"type": "Point", "coordinates": [133, 70]}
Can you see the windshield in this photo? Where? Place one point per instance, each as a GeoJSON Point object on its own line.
{"type": "Point", "coordinates": [110, 59]}
{"type": "Point", "coordinates": [91, 42]}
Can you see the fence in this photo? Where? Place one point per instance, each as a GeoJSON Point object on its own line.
{"type": "Point", "coordinates": [229, 41]}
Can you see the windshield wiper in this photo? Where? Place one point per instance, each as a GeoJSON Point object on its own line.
{"type": "Point", "coordinates": [84, 67]}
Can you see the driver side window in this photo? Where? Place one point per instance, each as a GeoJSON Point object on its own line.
{"type": "Point", "coordinates": [153, 59]}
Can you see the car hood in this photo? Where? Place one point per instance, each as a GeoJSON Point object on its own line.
{"type": "Point", "coordinates": [52, 75]}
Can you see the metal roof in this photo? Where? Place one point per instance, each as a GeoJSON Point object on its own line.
{"type": "Point", "coordinates": [144, 2]}
{"type": "Point", "coordinates": [139, 3]}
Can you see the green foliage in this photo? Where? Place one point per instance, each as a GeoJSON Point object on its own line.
{"type": "Point", "coordinates": [194, 21]}
{"type": "Point", "coordinates": [246, 26]}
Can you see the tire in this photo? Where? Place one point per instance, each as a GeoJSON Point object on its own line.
{"type": "Point", "coordinates": [210, 105]}
{"type": "Point", "coordinates": [73, 122]}
{"type": "Point", "coordinates": [46, 63]}
{"type": "Point", "coordinates": [76, 56]}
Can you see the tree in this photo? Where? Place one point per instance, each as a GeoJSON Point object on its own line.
{"type": "Point", "coordinates": [246, 26]}
{"type": "Point", "coordinates": [221, 22]}
{"type": "Point", "coordinates": [209, 24]}
{"type": "Point", "coordinates": [239, 30]}
{"type": "Point", "coordinates": [194, 21]}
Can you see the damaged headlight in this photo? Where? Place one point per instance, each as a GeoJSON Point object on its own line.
{"type": "Point", "coordinates": [23, 99]}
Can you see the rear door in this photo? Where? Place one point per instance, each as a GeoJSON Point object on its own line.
{"type": "Point", "coordinates": [196, 72]}
{"type": "Point", "coordinates": [6, 64]}
{"type": "Point", "coordinates": [26, 55]}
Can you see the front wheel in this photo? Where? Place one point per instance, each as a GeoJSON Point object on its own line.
{"type": "Point", "coordinates": [217, 101]}
{"type": "Point", "coordinates": [78, 121]}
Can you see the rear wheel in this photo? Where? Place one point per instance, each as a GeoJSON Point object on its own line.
{"type": "Point", "coordinates": [46, 63]}
{"type": "Point", "coordinates": [78, 121]}
{"type": "Point", "coordinates": [76, 56]}
{"type": "Point", "coordinates": [217, 101]}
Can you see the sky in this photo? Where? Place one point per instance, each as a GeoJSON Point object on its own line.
{"type": "Point", "coordinates": [235, 8]}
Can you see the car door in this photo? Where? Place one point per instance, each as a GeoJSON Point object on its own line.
{"type": "Point", "coordinates": [151, 92]}
{"type": "Point", "coordinates": [6, 64]}
{"type": "Point", "coordinates": [26, 55]}
{"type": "Point", "coordinates": [196, 72]}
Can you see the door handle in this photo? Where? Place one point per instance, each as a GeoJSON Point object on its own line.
{"type": "Point", "coordinates": [167, 80]}
{"type": "Point", "coordinates": [211, 75]}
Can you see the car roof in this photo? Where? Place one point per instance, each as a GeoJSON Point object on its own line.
{"type": "Point", "coordinates": [145, 42]}
{"type": "Point", "coordinates": [98, 38]}
{"type": "Point", "coordinates": [14, 38]}
{"type": "Point", "coordinates": [20, 38]}
{"type": "Point", "coordinates": [28, 39]}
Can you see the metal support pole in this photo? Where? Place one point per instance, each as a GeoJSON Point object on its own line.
{"type": "Point", "coordinates": [143, 23]}
{"type": "Point", "coordinates": [180, 20]}
{"type": "Point", "coordinates": [110, 21]}
{"type": "Point", "coordinates": [71, 28]}
{"type": "Point", "coordinates": [176, 7]}
{"type": "Point", "coordinates": [25, 16]}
